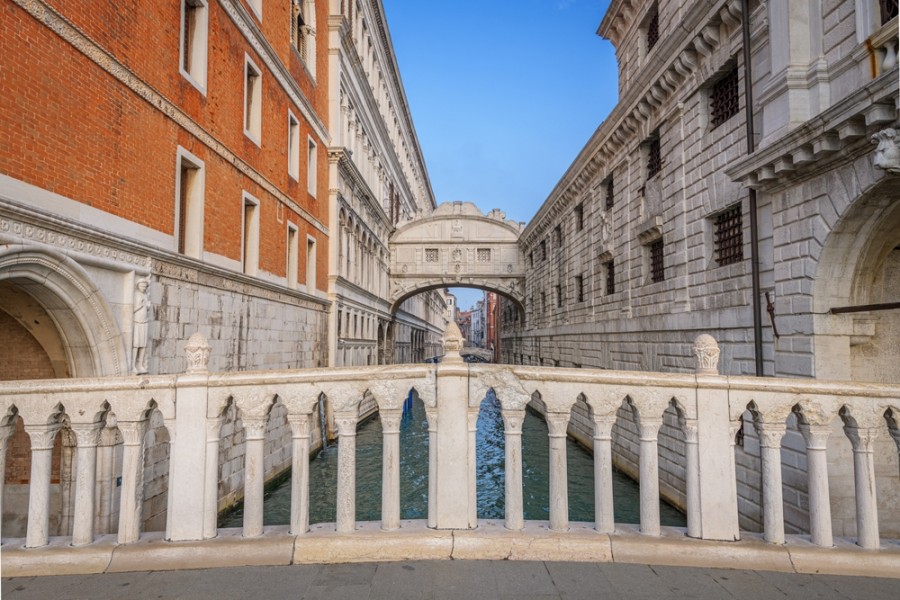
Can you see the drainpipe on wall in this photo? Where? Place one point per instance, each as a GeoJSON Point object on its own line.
{"type": "Point", "coordinates": [754, 229]}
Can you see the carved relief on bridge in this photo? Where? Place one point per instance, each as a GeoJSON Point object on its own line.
{"type": "Point", "coordinates": [457, 245]}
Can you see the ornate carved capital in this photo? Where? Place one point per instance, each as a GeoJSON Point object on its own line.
{"type": "Point", "coordinates": [87, 435]}
{"type": "Point", "coordinates": [603, 425]}
{"type": "Point", "coordinates": [557, 423]}
{"type": "Point", "coordinates": [862, 438]}
{"type": "Point", "coordinates": [815, 436]}
{"type": "Point", "coordinates": [512, 421]}
{"type": "Point", "coordinates": [390, 420]}
{"type": "Point", "coordinates": [770, 434]}
{"type": "Point", "coordinates": [649, 429]}
{"type": "Point", "coordinates": [254, 427]}
{"type": "Point", "coordinates": [132, 432]}
{"type": "Point", "coordinates": [706, 349]}
{"type": "Point", "coordinates": [42, 436]}
{"type": "Point", "coordinates": [691, 429]}
{"type": "Point", "coordinates": [346, 424]}
{"type": "Point", "coordinates": [431, 416]}
{"type": "Point", "coordinates": [197, 353]}
{"type": "Point", "coordinates": [300, 425]}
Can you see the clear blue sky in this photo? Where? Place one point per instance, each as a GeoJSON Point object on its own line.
{"type": "Point", "coordinates": [503, 94]}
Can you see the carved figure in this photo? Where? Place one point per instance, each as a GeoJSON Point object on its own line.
{"type": "Point", "coordinates": [887, 154]}
{"type": "Point", "coordinates": [142, 309]}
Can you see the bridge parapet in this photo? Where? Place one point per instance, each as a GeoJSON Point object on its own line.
{"type": "Point", "coordinates": [711, 408]}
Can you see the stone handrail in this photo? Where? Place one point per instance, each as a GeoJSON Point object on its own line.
{"type": "Point", "coordinates": [710, 409]}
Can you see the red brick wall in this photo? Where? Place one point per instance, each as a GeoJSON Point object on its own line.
{"type": "Point", "coordinates": [21, 356]}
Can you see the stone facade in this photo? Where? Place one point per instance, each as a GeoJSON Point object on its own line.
{"type": "Point", "coordinates": [646, 241]}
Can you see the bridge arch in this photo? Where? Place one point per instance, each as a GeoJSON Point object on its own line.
{"type": "Point", "coordinates": [457, 246]}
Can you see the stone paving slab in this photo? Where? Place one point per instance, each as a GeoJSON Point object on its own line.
{"type": "Point", "coordinates": [450, 580]}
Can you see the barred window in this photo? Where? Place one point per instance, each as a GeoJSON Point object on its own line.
{"type": "Point", "coordinates": [724, 98]}
{"type": "Point", "coordinates": [579, 288]}
{"type": "Point", "coordinates": [610, 191]}
{"type": "Point", "coordinates": [559, 296]}
{"type": "Point", "coordinates": [531, 258]}
{"type": "Point", "coordinates": [889, 10]}
{"type": "Point", "coordinates": [431, 255]}
{"type": "Point", "coordinates": [557, 236]}
{"type": "Point", "coordinates": [657, 266]}
{"type": "Point", "coordinates": [579, 217]}
{"type": "Point", "coordinates": [543, 249]}
{"type": "Point", "coordinates": [653, 28]}
{"type": "Point", "coordinates": [483, 255]}
{"type": "Point", "coordinates": [544, 302]}
{"type": "Point", "coordinates": [654, 157]}
{"type": "Point", "coordinates": [729, 240]}
{"type": "Point", "coordinates": [610, 278]}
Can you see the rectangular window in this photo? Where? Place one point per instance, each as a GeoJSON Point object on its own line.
{"type": "Point", "coordinates": [293, 255]}
{"type": "Point", "coordinates": [483, 255]}
{"type": "Point", "coordinates": [729, 242]}
{"type": "Point", "coordinates": [194, 34]}
{"type": "Point", "coordinates": [654, 156]}
{"type": "Point", "coordinates": [610, 190]}
{"type": "Point", "coordinates": [579, 288]}
{"type": "Point", "coordinates": [250, 237]}
{"type": "Point", "coordinates": [252, 101]}
{"type": "Point", "coordinates": [657, 266]}
{"type": "Point", "coordinates": [653, 27]}
{"type": "Point", "coordinates": [888, 9]}
{"type": "Point", "coordinates": [431, 255]}
{"type": "Point", "coordinates": [310, 264]}
{"type": "Point", "coordinates": [579, 217]}
{"type": "Point", "coordinates": [189, 191]}
{"type": "Point", "coordinates": [610, 269]}
{"type": "Point", "coordinates": [544, 302]}
{"type": "Point", "coordinates": [311, 166]}
{"type": "Point", "coordinates": [293, 146]}
{"type": "Point", "coordinates": [559, 296]}
{"type": "Point", "coordinates": [724, 98]}
{"type": "Point", "coordinates": [531, 258]}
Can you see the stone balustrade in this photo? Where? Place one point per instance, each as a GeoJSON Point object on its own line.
{"type": "Point", "coordinates": [710, 408]}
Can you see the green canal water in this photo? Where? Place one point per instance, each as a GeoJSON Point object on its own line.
{"type": "Point", "coordinates": [490, 476]}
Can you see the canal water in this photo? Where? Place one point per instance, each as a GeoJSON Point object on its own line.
{"type": "Point", "coordinates": [490, 476]}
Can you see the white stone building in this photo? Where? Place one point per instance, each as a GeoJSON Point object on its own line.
{"type": "Point", "coordinates": [652, 235]}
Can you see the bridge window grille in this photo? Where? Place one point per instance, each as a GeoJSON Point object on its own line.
{"type": "Point", "coordinates": [610, 278]}
{"type": "Point", "coordinates": [654, 156]}
{"type": "Point", "coordinates": [889, 10]}
{"type": "Point", "coordinates": [579, 288]}
{"type": "Point", "coordinates": [657, 266]}
{"type": "Point", "coordinates": [483, 255]}
{"type": "Point", "coordinates": [579, 217]}
{"type": "Point", "coordinates": [431, 255]}
{"type": "Point", "coordinates": [729, 241]}
{"type": "Point", "coordinates": [610, 191]}
{"type": "Point", "coordinates": [724, 98]}
{"type": "Point", "coordinates": [559, 296]}
{"type": "Point", "coordinates": [653, 28]}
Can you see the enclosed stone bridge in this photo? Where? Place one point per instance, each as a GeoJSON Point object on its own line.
{"type": "Point", "coordinates": [457, 246]}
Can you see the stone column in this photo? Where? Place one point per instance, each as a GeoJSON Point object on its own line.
{"type": "Point", "coordinates": [432, 418]}
{"type": "Point", "coordinates": [132, 493]}
{"type": "Point", "coordinates": [770, 435]}
{"type": "Point", "coordinates": [5, 432]}
{"type": "Point", "coordinates": [816, 437]}
{"type": "Point", "coordinates": [300, 427]}
{"type": "Point", "coordinates": [472, 424]}
{"type": "Point", "coordinates": [390, 469]}
{"type": "Point", "coordinates": [346, 476]}
{"type": "Point", "coordinates": [559, 491]}
{"type": "Point", "coordinates": [512, 431]}
{"type": "Point", "coordinates": [649, 475]}
{"type": "Point", "coordinates": [106, 477]}
{"type": "Point", "coordinates": [254, 473]}
{"type": "Point", "coordinates": [87, 436]}
{"type": "Point", "coordinates": [211, 494]}
{"type": "Point", "coordinates": [42, 437]}
{"type": "Point", "coordinates": [692, 477]}
{"type": "Point", "coordinates": [603, 484]}
{"type": "Point", "coordinates": [863, 441]}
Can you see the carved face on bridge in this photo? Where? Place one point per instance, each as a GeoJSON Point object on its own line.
{"type": "Point", "coordinates": [887, 154]}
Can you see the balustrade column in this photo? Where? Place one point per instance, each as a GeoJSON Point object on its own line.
{"type": "Point", "coordinates": [254, 474]}
{"type": "Point", "coordinates": [42, 437]}
{"type": "Point", "coordinates": [863, 441]}
{"type": "Point", "coordinates": [432, 418]}
{"type": "Point", "coordinates": [649, 475]}
{"type": "Point", "coordinates": [770, 435]}
{"type": "Point", "coordinates": [559, 491]}
{"type": "Point", "coordinates": [211, 496]}
{"type": "Point", "coordinates": [472, 421]}
{"type": "Point", "coordinates": [390, 469]}
{"type": "Point", "coordinates": [132, 494]}
{"type": "Point", "coordinates": [346, 476]}
{"type": "Point", "coordinates": [87, 437]}
{"type": "Point", "coordinates": [5, 432]}
{"type": "Point", "coordinates": [692, 477]}
{"type": "Point", "coordinates": [300, 426]}
{"type": "Point", "coordinates": [816, 437]}
{"type": "Point", "coordinates": [512, 430]}
{"type": "Point", "coordinates": [603, 482]}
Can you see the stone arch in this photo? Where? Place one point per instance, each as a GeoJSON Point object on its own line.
{"type": "Point", "coordinates": [82, 321]}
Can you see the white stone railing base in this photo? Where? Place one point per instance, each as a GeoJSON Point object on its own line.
{"type": "Point", "coordinates": [415, 541]}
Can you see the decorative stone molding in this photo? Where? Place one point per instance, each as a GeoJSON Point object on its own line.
{"type": "Point", "coordinates": [887, 154]}
{"type": "Point", "coordinates": [706, 349]}
{"type": "Point", "coordinates": [197, 352]}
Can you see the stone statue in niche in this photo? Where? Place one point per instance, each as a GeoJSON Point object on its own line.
{"type": "Point", "coordinates": [887, 154]}
{"type": "Point", "coordinates": [140, 329]}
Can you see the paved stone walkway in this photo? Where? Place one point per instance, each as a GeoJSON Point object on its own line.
{"type": "Point", "coordinates": [450, 580]}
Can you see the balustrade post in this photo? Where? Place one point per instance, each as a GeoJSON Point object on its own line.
{"type": "Point", "coordinates": [346, 476]}
{"type": "Point", "coordinates": [254, 473]}
{"type": "Point", "coordinates": [300, 431]}
{"type": "Point", "coordinates": [559, 491]}
{"type": "Point", "coordinates": [5, 432]}
{"type": "Point", "coordinates": [132, 494]}
{"type": "Point", "coordinates": [42, 436]}
{"type": "Point", "coordinates": [390, 469]}
{"type": "Point", "coordinates": [87, 436]}
{"type": "Point", "coordinates": [649, 475]}
{"type": "Point", "coordinates": [211, 489]}
{"type": "Point", "coordinates": [816, 438]}
{"type": "Point", "coordinates": [472, 423]}
{"type": "Point", "coordinates": [432, 417]}
{"type": "Point", "coordinates": [512, 430]}
{"type": "Point", "coordinates": [604, 517]}
{"type": "Point", "coordinates": [692, 477]}
{"type": "Point", "coordinates": [770, 435]}
{"type": "Point", "coordinates": [863, 441]}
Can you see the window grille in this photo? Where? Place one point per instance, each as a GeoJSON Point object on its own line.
{"type": "Point", "coordinates": [610, 278]}
{"type": "Point", "coordinates": [531, 258]}
{"type": "Point", "coordinates": [657, 267]}
{"type": "Point", "coordinates": [579, 288]}
{"type": "Point", "coordinates": [889, 10]}
{"type": "Point", "coordinates": [544, 302]}
{"type": "Point", "coordinates": [431, 255]}
{"type": "Point", "coordinates": [483, 255]}
{"type": "Point", "coordinates": [729, 236]}
{"type": "Point", "coordinates": [654, 159]}
{"type": "Point", "coordinates": [724, 98]}
{"type": "Point", "coordinates": [544, 250]}
{"type": "Point", "coordinates": [579, 217]}
{"type": "Point", "coordinates": [557, 236]}
{"type": "Point", "coordinates": [653, 29]}
{"type": "Point", "coordinates": [559, 296]}
{"type": "Point", "coordinates": [610, 190]}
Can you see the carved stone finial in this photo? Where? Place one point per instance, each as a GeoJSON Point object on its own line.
{"type": "Point", "coordinates": [453, 342]}
{"type": "Point", "coordinates": [887, 154]}
{"type": "Point", "coordinates": [706, 349]}
{"type": "Point", "coordinates": [197, 352]}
